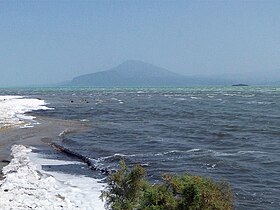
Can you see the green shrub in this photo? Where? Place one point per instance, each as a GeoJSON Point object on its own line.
{"type": "Point", "coordinates": [124, 188]}
{"type": "Point", "coordinates": [128, 190]}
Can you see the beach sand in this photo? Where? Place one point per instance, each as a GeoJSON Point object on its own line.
{"type": "Point", "coordinates": [40, 135]}
{"type": "Point", "coordinates": [26, 185]}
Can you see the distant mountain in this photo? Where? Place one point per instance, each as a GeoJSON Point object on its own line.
{"type": "Point", "coordinates": [134, 73]}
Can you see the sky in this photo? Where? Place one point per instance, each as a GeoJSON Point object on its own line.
{"type": "Point", "coordinates": [50, 41]}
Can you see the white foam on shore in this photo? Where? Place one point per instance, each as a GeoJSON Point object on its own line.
{"type": "Point", "coordinates": [27, 186]}
{"type": "Point", "coordinates": [12, 109]}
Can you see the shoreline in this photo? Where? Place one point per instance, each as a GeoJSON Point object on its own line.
{"type": "Point", "coordinates": [40, 135]}
{"type": "Point", "coordinates": [26, 182]}
{"type": "Point", "coordinates": [27, 185]}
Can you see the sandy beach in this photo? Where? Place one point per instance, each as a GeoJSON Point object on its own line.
{"type": "Point", "coordinates": [26, 185]}
{"type": "Point", "coordinates": [41, 134]}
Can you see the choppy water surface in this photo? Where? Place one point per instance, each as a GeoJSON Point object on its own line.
{"type": "Point", "coordinates": [231, 133]}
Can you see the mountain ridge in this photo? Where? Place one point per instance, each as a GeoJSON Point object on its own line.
{"type": "Point", "coordinates": [134, 73]}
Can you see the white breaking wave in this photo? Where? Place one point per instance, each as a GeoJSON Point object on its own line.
{"type": "Point", "coordinates": [13, 109]}
{"type": "Point", "coordinates": [27, 186]}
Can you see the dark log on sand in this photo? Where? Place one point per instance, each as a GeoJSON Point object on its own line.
{"type": "Point", "coordinates": [85, 159]}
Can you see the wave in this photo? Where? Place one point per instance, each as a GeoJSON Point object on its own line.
{"type": "Point", "coordinates": [117, 155]}
{"type": "Point", "coordinates": [176, 151]}
{"type": "Point", "coordinates": [195, 97]}
{"type": "Point", "coordinates": [238, 153]}
{"type": "Point", "coordinates": [251, 152]}
{"type": "Point", "coordinates": [260, 102]}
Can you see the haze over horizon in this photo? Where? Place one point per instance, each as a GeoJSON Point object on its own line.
{"type": "Point", "coordinates": [44, 42]}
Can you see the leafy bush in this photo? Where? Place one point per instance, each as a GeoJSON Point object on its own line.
{"type": "Point", "coordinates": [125, 188]}
{"type": "Point", "coordinates": [128, 190]}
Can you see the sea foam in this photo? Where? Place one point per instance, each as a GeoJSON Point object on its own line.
{"type": "Point", "coordinates": [27, 186]}
{"type": "Point", "coordinates": [13, 109]}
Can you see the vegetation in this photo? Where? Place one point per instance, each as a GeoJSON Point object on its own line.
{"type": "Point", "coordinates": [128, 190]}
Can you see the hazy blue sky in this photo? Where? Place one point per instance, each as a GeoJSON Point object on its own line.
{"type": "Point", "coordinates": [53, 41]}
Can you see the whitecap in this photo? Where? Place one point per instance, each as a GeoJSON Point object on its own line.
{"type": "Point", "coordinates": [251, 152]}
{"type": "Point", "coordinates": [180, 99]}
{"type": "Point", "coordinates": [117, 155]}
{"type": "Point", "coordinates": [193, 150]}
{"type": "Point", "coordinates": [260, 102]}
{"type": "Point", "coordinates": [176, 151]}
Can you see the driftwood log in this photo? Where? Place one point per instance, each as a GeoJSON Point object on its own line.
{"type": "Point", "coordinates": [83, 158]}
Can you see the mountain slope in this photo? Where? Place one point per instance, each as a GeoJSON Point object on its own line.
{"type": "Point", "coordinates": [136, 74]}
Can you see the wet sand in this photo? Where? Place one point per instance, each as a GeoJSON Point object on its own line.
{"type": "Point", "coordinates": [26, 185]}
{"type": "Point", "coordinates": [40, 135]}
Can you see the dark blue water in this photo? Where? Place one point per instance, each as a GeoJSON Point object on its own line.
{"type": "Point", "coordinates": [230, 133]}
